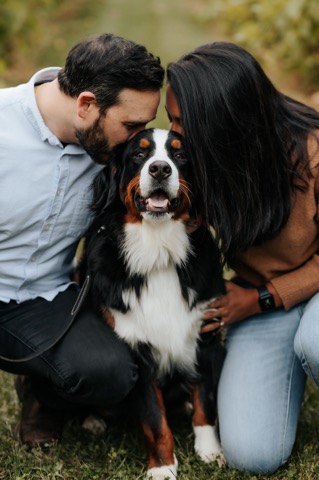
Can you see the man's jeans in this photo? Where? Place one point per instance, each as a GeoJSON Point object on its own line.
{"type": "Point", "coordinates": [90, 366]}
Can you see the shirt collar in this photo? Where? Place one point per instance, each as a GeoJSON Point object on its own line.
{"type": "Point", "coordinates": [33, 113]}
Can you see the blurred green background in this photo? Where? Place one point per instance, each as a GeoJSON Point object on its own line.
{"type": "Point", "coordinates": [283, 35]}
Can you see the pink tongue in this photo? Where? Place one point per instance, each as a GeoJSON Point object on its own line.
{"type": "Point", "coordinates": [157, 201]}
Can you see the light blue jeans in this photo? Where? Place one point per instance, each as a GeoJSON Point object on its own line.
{"type": "Point", "coordinates": [262, 385]}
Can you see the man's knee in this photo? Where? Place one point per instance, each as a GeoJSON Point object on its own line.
{"type": "Point", "coordinates": [104, 380]}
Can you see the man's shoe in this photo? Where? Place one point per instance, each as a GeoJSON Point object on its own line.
{"type": "Point", "coordinates": [39, 426]}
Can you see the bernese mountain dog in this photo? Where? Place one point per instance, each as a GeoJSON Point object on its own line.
{"type": "Point", "coordinates": [151, 279]}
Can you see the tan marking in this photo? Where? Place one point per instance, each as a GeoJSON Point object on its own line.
{"type": "Point", "coordinates": [177, 144]}
{"type": "Point", "coordinates": [108, 317]}
{"type": "Point", "coordinates": [161, 449]}
{"type": "Point", "coordinates": [144, 143]}
{"type": "Point", "coordinates": [133, 214]}
{"type": "Point", "coordinates": [199, 417]}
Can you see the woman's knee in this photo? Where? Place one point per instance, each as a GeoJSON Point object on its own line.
{"type": "Point", "coordinates": [257, 457]}
{"type": "Point", "coordinates": [259, 394]}
{"type": "Point", "coordinates": [306, 339]}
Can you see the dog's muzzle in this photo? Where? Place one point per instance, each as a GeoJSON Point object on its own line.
{"type": "Point", "coordinates": [157, 201]}
{"type": "Point", "coordinates": [160, 198]}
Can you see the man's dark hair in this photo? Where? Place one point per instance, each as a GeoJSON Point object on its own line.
{"type": "Point", "coordinates": [107, 64]}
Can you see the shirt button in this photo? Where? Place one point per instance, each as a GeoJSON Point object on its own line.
{"type": "Point", "coordinates": [46, 228]}
{"type": "Point", "coordinates": [33, 258]}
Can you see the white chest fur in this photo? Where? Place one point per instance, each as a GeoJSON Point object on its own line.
{"type": "Point", "coordinates": [160, 316]}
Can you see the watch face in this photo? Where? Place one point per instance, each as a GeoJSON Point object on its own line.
{"type": "Point", "coordinates": [266, 300]}
{"type": "Point", "coordinates": [267, 304]}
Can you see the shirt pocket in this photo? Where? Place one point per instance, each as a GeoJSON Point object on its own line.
{"type": "Point", "coordinates": [82, 215]}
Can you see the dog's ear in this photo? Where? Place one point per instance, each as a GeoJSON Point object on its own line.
{"type": "Point", "coordinates": [105, 188]}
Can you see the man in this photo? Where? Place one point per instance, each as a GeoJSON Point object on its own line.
{"type": "Point", "coordinates": [51, 129]}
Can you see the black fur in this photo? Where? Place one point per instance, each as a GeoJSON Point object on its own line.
{"type": "Point", "coordinates": [201, 273]}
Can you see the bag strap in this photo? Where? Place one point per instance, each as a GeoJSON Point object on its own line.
{"type": "Point", "coordinates": [75, 310]}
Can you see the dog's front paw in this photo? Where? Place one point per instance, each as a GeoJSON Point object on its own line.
{"type": "Point", "coordinates": [94, 424]}
{"type": "Point", "coordinates": [163, 473]}
{"type": "Point", "coordinates": [207, 445]}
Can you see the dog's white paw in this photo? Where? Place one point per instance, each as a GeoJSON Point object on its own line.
{"type": "Point", "coordinates": [207, 445]}
{"type": "Point", "coordinates": [94, 424]}
{"type": "Point", "coordinates": [163, 473]}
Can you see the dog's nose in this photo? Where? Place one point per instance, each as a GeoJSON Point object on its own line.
{"type": "Point", "coordinates": [160, 170]}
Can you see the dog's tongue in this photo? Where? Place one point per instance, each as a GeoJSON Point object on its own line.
{"type": "Point", "coordinates": [157, 201]}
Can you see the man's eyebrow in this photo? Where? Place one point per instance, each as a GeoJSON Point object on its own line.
{"type": "Point", "coordinates": [139, 123]}
{"type": "Point", "coordinates": [135, 123]}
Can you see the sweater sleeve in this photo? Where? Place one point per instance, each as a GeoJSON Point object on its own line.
{"type": "Point", "coordinates": [298, 285]}
{"type": "Point", "coordinates": [302, 283]}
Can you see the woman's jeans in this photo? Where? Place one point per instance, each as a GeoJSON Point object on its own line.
{"type": "Point", "coordinates": [89, 366]}
{"type": "Point", "coordinates": [262, 385]}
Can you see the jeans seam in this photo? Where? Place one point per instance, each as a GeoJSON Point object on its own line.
{"type": "Point", "coordinates": [304, 360]}
{"type": "Point", "coordinates": [288, 406]}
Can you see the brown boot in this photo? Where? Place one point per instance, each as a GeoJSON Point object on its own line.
{"type": "Point", "coordinates": [39, 426]}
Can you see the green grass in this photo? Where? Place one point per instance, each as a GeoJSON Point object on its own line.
{"type": "Point", "coordinates": [167, 28]}
{"type": "Point", "coordinates": [119, 453]}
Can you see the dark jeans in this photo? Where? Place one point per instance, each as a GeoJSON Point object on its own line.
{"type": "Point", "coordinates": [89, 366]}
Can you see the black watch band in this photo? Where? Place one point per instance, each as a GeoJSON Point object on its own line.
{"type": "Point", "coordinates": [266, 300]}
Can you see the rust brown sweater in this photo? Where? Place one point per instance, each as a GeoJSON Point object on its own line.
{"type": "Point", "coordinates": [290, 261]}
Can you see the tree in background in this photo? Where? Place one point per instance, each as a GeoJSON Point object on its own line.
{"type": "Point", "coordinates": [286, 29]}
{"type": "Point", "coordinates": [34, 33]}
{"type": "Point", "coordinates": [20, 27]}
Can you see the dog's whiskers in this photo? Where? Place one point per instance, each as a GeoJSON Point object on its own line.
{"type": "Point", "coordinates": [184, 188]}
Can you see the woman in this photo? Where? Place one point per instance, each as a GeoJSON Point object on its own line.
{"type": "Point", "coordinates": [256, 158]}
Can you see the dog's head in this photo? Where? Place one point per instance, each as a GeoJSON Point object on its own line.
{"type": "Point", "coordinates": [150, 176]}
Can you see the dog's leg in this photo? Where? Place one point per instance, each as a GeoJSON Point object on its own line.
{"type": "Point", "coordinates": [210, 357]}
{"type": "Point", "coordinates": [207, 444]}
{"type": "Point", "coordinates": [162, 463]}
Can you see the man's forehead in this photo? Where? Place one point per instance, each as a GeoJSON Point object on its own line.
{"type": "Point", "coordinates": [128, 97]}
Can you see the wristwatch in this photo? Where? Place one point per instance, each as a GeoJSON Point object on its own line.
{"type": "Point", "coordinates": [266, 300]}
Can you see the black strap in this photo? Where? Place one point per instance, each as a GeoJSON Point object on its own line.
{"type": "Point", "coordinates": [75, 310]}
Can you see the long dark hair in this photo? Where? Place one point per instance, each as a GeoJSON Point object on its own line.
{"type": "Point", "coordinates": [248, 142]}
{"type": "Point", "coordinates": [107, 64]}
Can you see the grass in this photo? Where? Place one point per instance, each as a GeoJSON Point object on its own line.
{"type": "Point", "coordinates": [167, 28]}
{"type": "Point", "coordinates": [119, 453]}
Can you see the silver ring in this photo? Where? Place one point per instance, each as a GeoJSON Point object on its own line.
{"type": "Point", "coordinates": [216, 319]}
{"type": "Point", "coordinates": [222, 323]}
{"type": "Point", "coordinates": [210, 309]}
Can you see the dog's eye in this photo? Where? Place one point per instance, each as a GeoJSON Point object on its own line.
{"type": "Point", "coordinates": [139, 155]}
{"type": "Point", "coordinates": [179, 156]}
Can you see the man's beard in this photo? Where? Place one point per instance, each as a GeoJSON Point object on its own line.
{"type": "Point", "coordinates": [94, 142]}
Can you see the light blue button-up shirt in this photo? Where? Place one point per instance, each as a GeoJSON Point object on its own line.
{"type": "Point", "coordinates": [44, 198]}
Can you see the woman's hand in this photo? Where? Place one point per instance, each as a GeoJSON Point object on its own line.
{"type": "Point", "coordinates": [238, 303]}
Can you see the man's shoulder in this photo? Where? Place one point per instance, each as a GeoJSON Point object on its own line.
{"type": "Point", "coordinates": [11, 95]}
{"type": "Point", "coordinates": [19, 93]}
